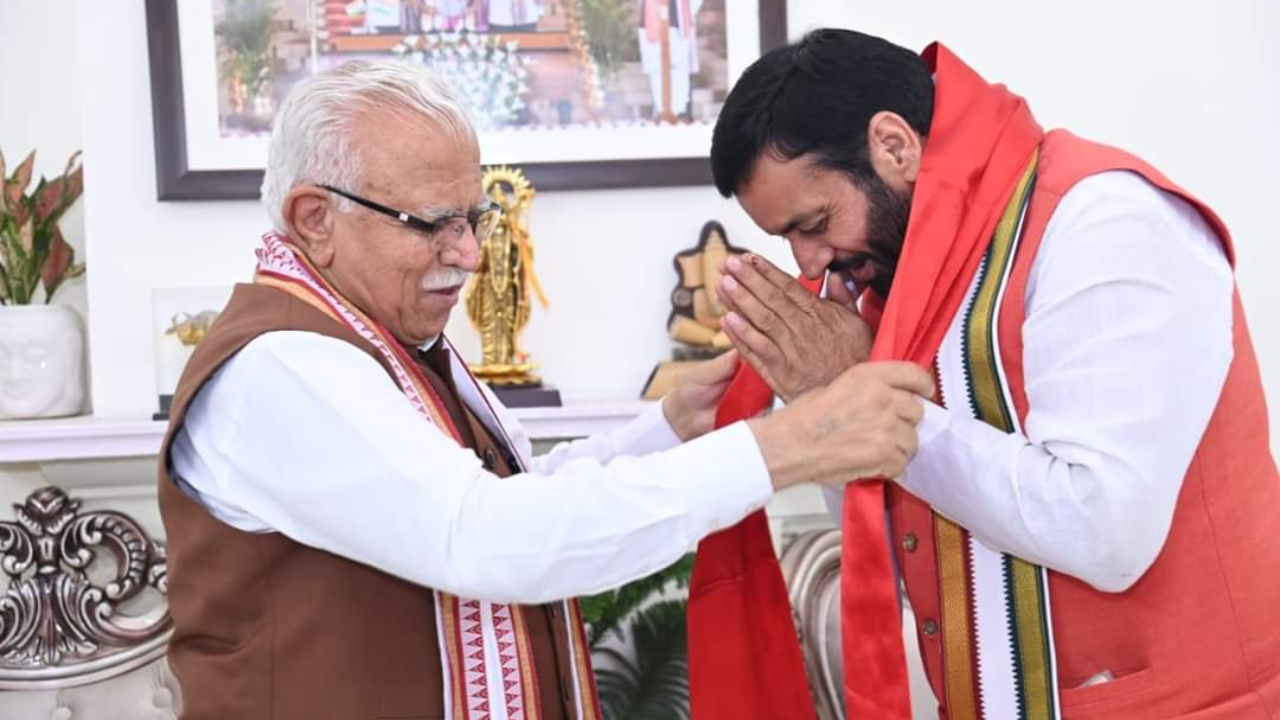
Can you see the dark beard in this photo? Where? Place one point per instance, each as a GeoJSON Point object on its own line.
{"type": "Point", "coordinates": [887, 216]}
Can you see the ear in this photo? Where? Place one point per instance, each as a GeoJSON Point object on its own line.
{"type": "Point", "coordinates": [895, 149]}
{"type": "Point", "coordinates": [310, 214]}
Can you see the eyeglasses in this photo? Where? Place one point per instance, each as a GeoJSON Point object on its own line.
{"type": "Point", "coordinates": [481, 222]}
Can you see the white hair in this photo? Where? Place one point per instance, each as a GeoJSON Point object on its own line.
{"type": "Point", "coordinates": [311, 137]}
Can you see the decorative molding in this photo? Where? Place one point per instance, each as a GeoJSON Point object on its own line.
{"type": "Point", "coordinates": [811, 565]}
{"type": "Point", "coordinates": [573, 421]}
{"type": "Point", "coordinates": [94, 438]}
{"type": "Point", "coordinates": [78, 438]}
{"type": "Point", "coordinates": [58, 626]}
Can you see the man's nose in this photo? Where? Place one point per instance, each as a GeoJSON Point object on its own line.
{"type": "Point", "coordinates": [463, 254]}
{"type": "Point", "coordinates": [812, 257]}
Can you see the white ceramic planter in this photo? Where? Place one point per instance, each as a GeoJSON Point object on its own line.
{"type": "Point", "coordinates": [42, 354]}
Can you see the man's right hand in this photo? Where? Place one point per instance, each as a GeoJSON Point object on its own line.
{"type": "Point", "coordinates": [794, 339]}
{"type": "Point", "coordinates": [862, 425]}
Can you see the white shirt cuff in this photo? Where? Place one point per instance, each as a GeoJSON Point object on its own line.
{"type": "Point", "coordinates": [935, 421]}
{"type": "Point", "coordinates": [648, 433]}
{"type": "Point", "coordinates": [934, 424]}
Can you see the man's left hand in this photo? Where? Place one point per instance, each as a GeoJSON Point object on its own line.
{"type": "Point", "coordinates": [690, 407]}
{"type": "Point", "coordinates": [796, 340]}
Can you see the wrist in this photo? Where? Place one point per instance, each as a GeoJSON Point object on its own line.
{"type": "Point", "coordinates": [785, 466]}
{"type": "Point", "coordinates": [675, 415]}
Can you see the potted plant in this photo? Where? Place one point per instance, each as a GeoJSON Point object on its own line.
{"type": "Point", "coordinates": [41, 345]}
{"type": "Point", "coordinates": [646, 677]}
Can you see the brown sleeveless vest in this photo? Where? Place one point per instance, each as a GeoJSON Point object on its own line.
{"type": "Point", "coordinates": [266, 628]}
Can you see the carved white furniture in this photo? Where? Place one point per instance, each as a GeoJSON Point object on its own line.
{"type": "Point", "coordinates": [811, 565]}
{"type": "Point", "coordinates": [83, 619]}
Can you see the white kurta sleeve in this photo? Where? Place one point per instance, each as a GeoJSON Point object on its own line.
{"type": "Point", "coordinates": [306, 435]}
{"type": "Point", "coordinates": [648, 433]}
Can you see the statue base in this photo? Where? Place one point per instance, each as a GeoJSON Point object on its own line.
{"type": "Point", "coordinates": [526, 396]}
{"type": "Point", "coordinates": [517, 386]}
{"type": "Point", "coordinates": [515, 374]}
{"type": "Point", "coordinates": [165, 402]}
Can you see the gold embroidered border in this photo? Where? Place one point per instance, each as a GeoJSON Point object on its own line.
{"type": "Point", "coordinates": [1026, 598]}
{"type": "Point", "coordinates": [957, 650]}
{"type": "Point", "coordinates": [984, 380]}
{"type": "Point", "coordinates": [1033, 648]}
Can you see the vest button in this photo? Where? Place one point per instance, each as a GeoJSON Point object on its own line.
{"type": "Point", "coordinates": [909, 542]}
{"type": "Point", "coordinates": [490, 459]}
{"type": "Point", "coordinates": [929, 627]}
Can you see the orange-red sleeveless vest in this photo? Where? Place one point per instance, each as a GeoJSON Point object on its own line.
{"type": "Point", "coordinates": [1198, 636]}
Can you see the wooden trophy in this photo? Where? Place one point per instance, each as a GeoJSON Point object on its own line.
{"type": "Point", "coordinates": [694, 322]}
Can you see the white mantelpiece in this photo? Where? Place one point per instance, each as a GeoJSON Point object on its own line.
{"type": "Point", "coordinates": [86, 438]}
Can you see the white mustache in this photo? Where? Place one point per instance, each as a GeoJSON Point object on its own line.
{"type": "Point", "coordinates": [446, 278]}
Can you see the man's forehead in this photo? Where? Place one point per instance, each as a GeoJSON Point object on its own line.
{"type": "Point", "coordinates": [775, 176]}
{"type": "Point", "coordinates": [413, 144]}
{"type": "Point", "coordinates": [413, 182]}
{"type": "Point", "coordinates": [780, 192]}
{"type": "Point", "coordinates": [451, 184]}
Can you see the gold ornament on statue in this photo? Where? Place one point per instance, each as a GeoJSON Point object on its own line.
{"type": "Point", "coordinates": [500, 295]}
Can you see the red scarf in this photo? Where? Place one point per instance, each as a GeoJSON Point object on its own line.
{"type": "Point", "coordinates": [744, 659]}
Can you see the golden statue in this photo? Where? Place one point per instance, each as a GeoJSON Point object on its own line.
{"type": "Point", "coordinates": [499, 296]}
{"type": "Point", "coordinates": [696, 309]}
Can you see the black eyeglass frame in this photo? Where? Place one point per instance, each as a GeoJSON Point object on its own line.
{"type": "Point", "coordinates": [428, 227]}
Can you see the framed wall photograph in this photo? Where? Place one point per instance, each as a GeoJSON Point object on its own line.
{"type": "Point", "coordinates": [581, 94]}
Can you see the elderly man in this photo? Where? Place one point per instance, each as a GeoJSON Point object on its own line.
{"type": "Point", "coordinates": [1089, 527]}
{"type": "Point", "coordinates": [355, 526]}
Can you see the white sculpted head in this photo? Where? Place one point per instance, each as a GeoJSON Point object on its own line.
{"type": "Point", "coordinates": [41, 373]}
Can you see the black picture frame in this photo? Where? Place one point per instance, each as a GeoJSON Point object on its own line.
{"type": "Point", "coordinates": [175, 180]}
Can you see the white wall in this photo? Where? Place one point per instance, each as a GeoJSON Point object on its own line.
{"type": "Point", "coordinates": [1194, 95]}
{"type": "Point", "coordinates": [40, 105]}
